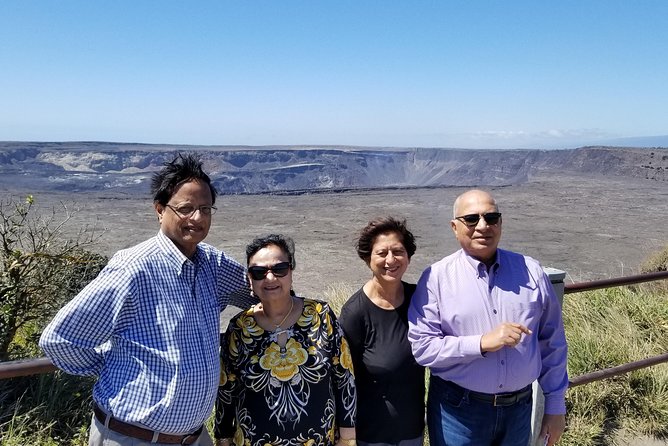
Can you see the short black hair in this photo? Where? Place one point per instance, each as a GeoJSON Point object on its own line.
{"type": "Point", "coordinates": [285, 243]}
{"type": "Point", "coordinates": [181, 169]}
{"type": "Point", "coordinates": [383, 225]}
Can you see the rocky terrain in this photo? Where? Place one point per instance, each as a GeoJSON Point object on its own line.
{"type": "Point", "coordinates": [593, 212]}
{"type": "Point", "coordinates": [126, 168]}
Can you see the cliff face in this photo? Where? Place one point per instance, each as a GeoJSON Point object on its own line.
{"type": "Point", "coordinates": [127, 168]}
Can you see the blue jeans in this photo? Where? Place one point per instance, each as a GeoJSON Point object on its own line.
{"type": "Point", "coordinates": [413, 442]}
{"type": "Point", "coordinates": [456, 419]}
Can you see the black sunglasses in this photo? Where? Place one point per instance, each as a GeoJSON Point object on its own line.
{"type": "Point", "coordinates": [491, 218]}
{"type": "Point", "coordinates": [278, 270]}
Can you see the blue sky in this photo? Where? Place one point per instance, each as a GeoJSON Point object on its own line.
{"type": "Point", "coordinates": [484, 74]}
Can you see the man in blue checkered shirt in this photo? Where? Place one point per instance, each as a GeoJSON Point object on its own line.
{"type": "Point", "coordinates": [148, 325]}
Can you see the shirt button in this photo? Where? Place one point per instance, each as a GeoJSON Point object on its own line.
{"type": "Point", "coordinates": [500, 386]}
{"type": "Point", "coordinates": [503, 362]}
{"type": "Point", "coordinates": [494, 311]}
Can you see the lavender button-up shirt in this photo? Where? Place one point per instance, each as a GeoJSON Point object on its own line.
{"type": "Point", "coordinates": [458, 300]}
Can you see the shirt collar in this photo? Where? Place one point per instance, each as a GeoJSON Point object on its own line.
{"type": "Point", "coordinates": [478, 266]}
{"type": "Point", "coordinates": [174, 256]}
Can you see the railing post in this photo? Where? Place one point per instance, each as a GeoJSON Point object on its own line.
{"type": "Point", "coordinates": [557, 277]}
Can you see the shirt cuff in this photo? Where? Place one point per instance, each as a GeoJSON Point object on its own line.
{"type": "Point", "coordinates": [555, 404]}
{"type": "Point", "coordinates": [470, 345]}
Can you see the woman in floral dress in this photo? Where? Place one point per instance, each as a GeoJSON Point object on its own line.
{"type": "Point", "coordinates": [286, 376]}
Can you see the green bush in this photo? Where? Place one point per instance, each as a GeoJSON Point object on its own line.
{"type": "Point", "coordinates": [40, 269]}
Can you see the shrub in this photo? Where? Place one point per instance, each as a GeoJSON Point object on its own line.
{"type": "Point", "coordinates": [656, 262]}
{"type": "Point", "coordinates": [40, 268]}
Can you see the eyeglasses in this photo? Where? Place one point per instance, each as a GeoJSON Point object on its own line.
{"type": "Point", "coordinates": [278, 270]}
{"type": "Point", "coordinates": [470, 220]}
{"type": "Point", "coordinates": [189, 211]}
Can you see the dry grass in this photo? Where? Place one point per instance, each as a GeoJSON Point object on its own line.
{"type": "Point", "coordinates": [656, 262]}
{"type": "Point", "coordinates": [337, 295]}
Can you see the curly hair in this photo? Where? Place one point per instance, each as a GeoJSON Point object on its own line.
{"type": "Point", "coordinates": [383, 225]}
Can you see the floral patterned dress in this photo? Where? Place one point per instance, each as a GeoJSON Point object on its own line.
{"type": "Point", "coordinates": [296, 395]}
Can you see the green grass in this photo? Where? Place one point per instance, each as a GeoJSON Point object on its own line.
{"type": "Point", "coordinates": [604, 328]}
{"type": "Point", "coordinates": [45, 410]}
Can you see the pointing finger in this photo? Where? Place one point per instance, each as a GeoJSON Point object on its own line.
{"type": "Point", "coordinates": [521, 328]}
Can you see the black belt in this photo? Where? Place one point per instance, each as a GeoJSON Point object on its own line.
{"type": "Point", "coordinates": [130, 430]}
{"type": "Point", "coordinates": [495, 399]}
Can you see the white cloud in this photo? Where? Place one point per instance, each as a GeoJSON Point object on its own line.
{"type": "Point", "coordinates": [512, 139]}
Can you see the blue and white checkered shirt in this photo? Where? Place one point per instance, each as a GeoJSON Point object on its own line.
{"type": "Point", "coordinates": [148, 326]}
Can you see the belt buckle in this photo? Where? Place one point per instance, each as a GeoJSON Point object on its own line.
{"type": "Point", "coordinates": [186, 437]}
{"type": "Point", "coordinates": [500, 396]}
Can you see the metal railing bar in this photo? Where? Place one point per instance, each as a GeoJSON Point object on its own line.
{"type": "Point", "coordinates": [26, 367]}
{"type": "Point", "coordinates": [620, 281]}
{"type": "Point", "coordinates": [617, 370]}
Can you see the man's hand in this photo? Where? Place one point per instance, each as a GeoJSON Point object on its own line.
{"type": "Point", "coordinates": [508, 334]}
{"type": "Point", "coordinates": [552, 426]}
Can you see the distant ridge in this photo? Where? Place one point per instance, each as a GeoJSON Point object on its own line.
{"type": "Point", "coordinates": [127, 167]}
{"type": "Point", "coordinates": [637, 141]}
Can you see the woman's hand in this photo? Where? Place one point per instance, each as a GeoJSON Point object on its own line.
{"type": "Point", "coordinates": [223, 441]}
{"type": "Point", "coordinates": [346, 437]}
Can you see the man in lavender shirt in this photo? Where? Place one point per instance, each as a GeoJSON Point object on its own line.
{"type": "Point", "coordinates": [487, 323]}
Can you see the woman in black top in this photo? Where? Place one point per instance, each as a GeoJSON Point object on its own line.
{"type": "Point", "coordinates": [390, 384]}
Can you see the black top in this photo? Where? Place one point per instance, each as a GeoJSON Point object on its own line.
{"type": "Point", "coordinates": [390, 384]}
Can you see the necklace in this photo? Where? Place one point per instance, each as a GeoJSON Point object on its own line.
{"type": "Point", "coordinates": [278, 326]}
